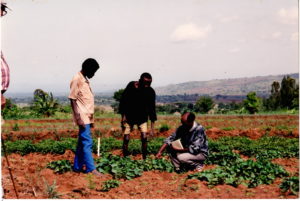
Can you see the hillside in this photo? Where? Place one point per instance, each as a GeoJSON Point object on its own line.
{"type": "Point", "coordinates": [231, 87]}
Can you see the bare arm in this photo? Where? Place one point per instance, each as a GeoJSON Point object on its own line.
{"type": "Point", "coordinates": [161, 150]}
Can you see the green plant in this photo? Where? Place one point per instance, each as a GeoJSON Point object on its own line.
{"type": "Point", "coordinates": [223, 158]}
{"type": "Point", "coordinates": [109, 184]}
{"type": "Point", "coordinates": [124, 167]}
{"type": "Point", "coordinates": [22, 147]}
{"type": "Point", "coordinates": [51, 191]}
{"type": "Point", "coordinates": [164, 127]}
{"type": "Point", "coordinates": [12, 111]}
{"type": "Point", "coordinates": [91, 183]}
{"type": "Point", "coordinates": [16, 127]}
{"type": "Point", "coordinates": [228, 128]}
{"type": "Point", "coordinates": [60, 166]}
{"type": "Point", "coordinates": [290, 184]}
{"type": "Point", "coordinates": [252, 103]}
{"type": "Point", "coordinates": [44, 104]}
{"type": "Point", "coordinates": [204, 104]}
{"type": "Point", "coordinates": [249, 172]}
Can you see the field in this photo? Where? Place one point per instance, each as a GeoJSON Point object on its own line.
{"type": "Point", "coordinates": [251, 156]}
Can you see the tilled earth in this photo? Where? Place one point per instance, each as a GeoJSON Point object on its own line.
{"type": "Point", "coordinates": [32, 178]}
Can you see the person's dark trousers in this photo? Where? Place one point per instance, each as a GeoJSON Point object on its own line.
{"type": "Point", "coordinates": [125, 145]}
{"type": "Point", "coordinates": [83, 155]}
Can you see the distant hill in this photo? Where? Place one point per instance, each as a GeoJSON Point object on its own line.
{"type": "Point", "coordinates": [230, 87]}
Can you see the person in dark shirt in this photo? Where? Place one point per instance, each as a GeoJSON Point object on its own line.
{"type": "Point", "coordinates": [137, 105]}
{"type": "Point", "coordinates": [194, 142]}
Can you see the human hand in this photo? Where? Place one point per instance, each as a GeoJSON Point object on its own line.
{"type": "Point", "coordinates": [158, 155]}
{"type": "Point", "coordinates": [80, 122]}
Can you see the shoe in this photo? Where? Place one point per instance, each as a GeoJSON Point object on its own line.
{"type": "Point", "coordinates": [199, 168]}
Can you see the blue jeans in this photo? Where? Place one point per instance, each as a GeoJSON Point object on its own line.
{"type": "Point", "coordinates": [83, 155]}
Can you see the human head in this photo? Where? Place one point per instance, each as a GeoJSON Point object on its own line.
{"type": "Point", "coordinates": [145, 80]}
{"type": "Point", "coordinates": [89, 67]}
{"type": "Point", "coordinates": [187, 120]}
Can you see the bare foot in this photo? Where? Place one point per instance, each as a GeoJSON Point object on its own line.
{"type": "Point", "coordinates": [98, 174]}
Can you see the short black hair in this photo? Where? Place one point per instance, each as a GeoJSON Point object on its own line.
{"type": "Point", "coordinates": [146, 75]}
{"type": "Point", "coordinates": [90, 64]}
{"type": "Point", "coordinates": [191, 117]}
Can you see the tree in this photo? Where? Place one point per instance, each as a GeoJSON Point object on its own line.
{"type": "Point", "coordinates": [296, 97]}
{"type": "Point", "coordinates": [252, 103]}
{"type": "Point", "coordinates": [204, 104]}
{"type": "Point", "coordinates": [117, 96]}
{"type": "Point", "coordinates": [273, 102]}
{"type": "Point", "coordinates": [44, 104]}
{"type": "Point", "coordinates": [288, 92]}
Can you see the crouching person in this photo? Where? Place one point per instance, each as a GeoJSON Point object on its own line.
{"type": "Point", "coordinates": [187, 146]}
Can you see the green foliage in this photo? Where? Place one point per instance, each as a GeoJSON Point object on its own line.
{"type": "Point", "coordinates": [24, 147]}
{"type": "Point", "coordinates": [51, 191]}
{"type": "Point", "coordinates": [90, 180]}
{"type": "Point", "coordinates": [229, 128]}
{"type": "Point", "coordinates": [288, 92]}
{"type": "Point", "coordinates": [290, 184]}
{"type": "Point", "coordinates": [21, 147]}
{"type": "Point", "coordinates": [153, 146]}
{"type": "Point", "coordinates": [12, 111]}
{"type": "Point", "coordinates": [124, 167]}
{"type": "Point", "coordinates": [60, 166]}
{"type": "Point", "coordinates": [273, 102]}
{"type": "Point", "coordinates": [44, 104]}
{"type": "Point", "coordinates": [66, 109]}
{"type": "Point", "coordinates": [232, 107]}
{"type": "Point", "coordinates": [117, 96]}
{"type": "Point", "coordinates": [248, 172]}
{"type": "Point", "coordinates": [223, 158]}
{"type": "Point", "coordinates": [204, 104]}
{"type": "Point", "coordinates": [164, 127]}
{"type": "Point", "coordinates": [108, 144]}
{"type": "Point", "coordinates": [16, 127]}
{"type": "Point", "coordinates": [109, 184]}
{"type": "Point", "coordinates": [263, 148]}
{"type": "Point", "coordinates": [171, 108]}
{"type": "Point", "coordinates": [252, 103]}
{"type": "Point", "coordinates": [285, 96]}
{"type": "Point", "coordinates": [271, 147]}
{"type": "Point", "coordinates": [56, 147]}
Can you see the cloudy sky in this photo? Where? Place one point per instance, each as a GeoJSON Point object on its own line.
{"type": "Point", "coordinates": [46, 41]}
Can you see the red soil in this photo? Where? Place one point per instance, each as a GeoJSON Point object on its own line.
{"type": "Point", "coordinates": [31, 177]}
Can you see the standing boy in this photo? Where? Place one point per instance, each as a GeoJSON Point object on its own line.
{"type": "Point", "coordinates": [82, 103]}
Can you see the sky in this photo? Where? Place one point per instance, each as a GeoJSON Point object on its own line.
{"type": "Point", "coordinates": [46, 41]}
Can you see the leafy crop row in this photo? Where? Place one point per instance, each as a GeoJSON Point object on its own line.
{"type": "Point", "coordinates": [291, 185]}
{"type": "Point", "coordinates": [60, 166]}
{"type": "Point", "coordinates": [263, 148]}
{"type": "Point", "coordinates": [24, 147]}
{"type": "Point", "coordinates": [118, 167]}
{"type": "Point", "coordinates": [124, 167]}
{"type": "Point", "coordinates": [249, 173]}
